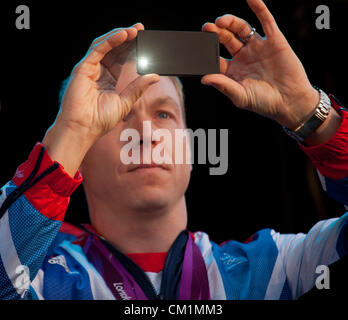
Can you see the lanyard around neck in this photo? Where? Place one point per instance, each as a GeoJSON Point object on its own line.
{"type": "Point", "coordinates": [184, 275]}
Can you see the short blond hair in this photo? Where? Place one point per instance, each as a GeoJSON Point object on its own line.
{"type": "Point", "coordinates": [180, 90]}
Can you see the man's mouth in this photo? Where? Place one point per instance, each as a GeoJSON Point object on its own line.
{"type": "Point", "coordinates": [143, 167]}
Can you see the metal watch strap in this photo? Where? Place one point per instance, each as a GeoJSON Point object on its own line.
{"type": "Point", "coordinates": [321, 113]}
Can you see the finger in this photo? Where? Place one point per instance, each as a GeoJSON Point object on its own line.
{"type": "Point", "coordinates": [98, 52]}
{"type": "Point", "coordinates": [118, 55]}
{"type": "Point", "coordinates": [229, 87]}
{"type": "Point", "coordinates": [227, 38]}
{"type": "Point", "coordinates": [239, 27]}
{"type": "Point", "coordinates": [265, 17]}
{"type": "Point", "coordinates": [98, 40]}
{"type": "Point", "coordinates": [138, 26]}
{"type": "Point", "coordinates": [124, 49]}
{"type": "Point", "coordinates": [135, 89]}
{"type": "Point", "coordinates": [115, 58]}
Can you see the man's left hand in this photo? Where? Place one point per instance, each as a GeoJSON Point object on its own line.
{"type": "Point", "coordinates": [265, 75]}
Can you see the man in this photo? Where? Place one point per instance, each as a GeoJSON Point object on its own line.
{"type": "Point", "coordinates": [137, 246]}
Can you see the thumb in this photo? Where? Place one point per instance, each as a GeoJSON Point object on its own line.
{"type": "Point", "coordinates": [229, 87]}
{"type": "Point", "coordinates": [135, 89]}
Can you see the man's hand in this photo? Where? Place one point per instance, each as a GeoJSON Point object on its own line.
{"type": "Point", "coordinates": [91, 101]}
{"type": "Point", "coordinates": [264, 76]}
{"type": "Point", "coordinates": [91, 107]}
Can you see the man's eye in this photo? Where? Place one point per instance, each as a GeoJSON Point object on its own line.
{"type": "Point", "coordinates": [164, 115]}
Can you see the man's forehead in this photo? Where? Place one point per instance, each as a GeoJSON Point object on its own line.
{"type": "Point", "coordinates": [162, 89]}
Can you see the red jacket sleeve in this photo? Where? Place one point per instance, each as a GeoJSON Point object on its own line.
{"type": "Point", "coordinates": [51, 195]}
{"type": "Point", "coordinates": [331, 158]}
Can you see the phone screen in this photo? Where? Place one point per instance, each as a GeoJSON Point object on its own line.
{"type": "Point", "coordinates": [177, 53]}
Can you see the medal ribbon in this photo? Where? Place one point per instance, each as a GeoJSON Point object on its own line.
{"type": "Point", "coordinates": [193, 284]}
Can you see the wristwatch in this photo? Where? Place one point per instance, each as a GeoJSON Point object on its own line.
{"type": "Point", "coordinates": [307, 128]}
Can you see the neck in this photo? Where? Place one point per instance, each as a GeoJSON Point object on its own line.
{"type": "Point", "coordinates": [135, 231]}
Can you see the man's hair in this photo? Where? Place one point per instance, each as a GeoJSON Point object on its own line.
{"type": "Point", "coordinates": [180, 90]}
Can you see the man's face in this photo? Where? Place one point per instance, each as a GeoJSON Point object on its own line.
{"type": "Point", "coordinates": [132, 185]}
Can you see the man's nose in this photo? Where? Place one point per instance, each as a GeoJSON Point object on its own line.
{"type": "Point", "coordinates": [144, 126]}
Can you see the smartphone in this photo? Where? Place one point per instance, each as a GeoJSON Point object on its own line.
{"type": "Point", "coordinates": [177, 53]}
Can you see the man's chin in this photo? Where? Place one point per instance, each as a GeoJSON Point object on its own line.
{"type": "Point", "coordinates": [150, 199]}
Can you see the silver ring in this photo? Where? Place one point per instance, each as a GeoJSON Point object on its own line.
{"type": "Point", "coordinates": [248, 37]}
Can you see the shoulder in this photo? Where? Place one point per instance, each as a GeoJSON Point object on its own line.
{"type": "Point", "coordinates": [67, 232]}
{"type": "Point", "coordinates": [258, 248]}
{"type": "Point", "coordinates": [258, 239]}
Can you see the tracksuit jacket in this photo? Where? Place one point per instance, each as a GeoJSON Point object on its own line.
{"type": "Point", "coordinates": [41, 257]}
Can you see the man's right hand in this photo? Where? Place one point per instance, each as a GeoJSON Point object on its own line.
{"type": "Point", "coordinates": [91, 107]}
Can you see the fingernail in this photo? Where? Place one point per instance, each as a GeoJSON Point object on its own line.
{"type": "Point", "coordinates": [155, 79]}
{"type": "Point", "coordinates": [203, 81]}
{"type": "Point", "coordinates": [218, 18]}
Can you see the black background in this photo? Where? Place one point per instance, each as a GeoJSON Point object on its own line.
{"type": "Point", "coordinates": [270, 183]}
